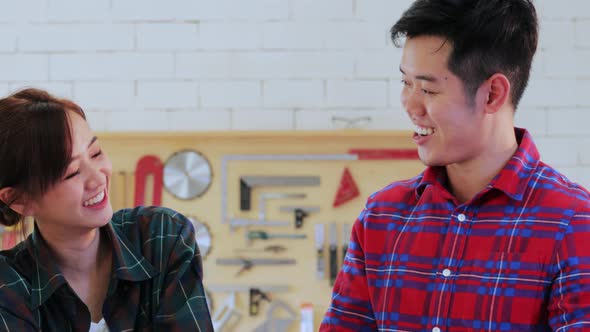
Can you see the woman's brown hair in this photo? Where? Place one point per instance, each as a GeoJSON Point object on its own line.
{"type": "Point", "coordinates": [35, 145]}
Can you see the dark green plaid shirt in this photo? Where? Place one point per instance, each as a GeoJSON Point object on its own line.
{"type": "Point", "coordinates": [156, 281]}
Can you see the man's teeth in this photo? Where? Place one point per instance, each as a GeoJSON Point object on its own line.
{"type": "Point", "coordinates": [96, 199]}
{"type": "Point", "coordinates": [423, 131]}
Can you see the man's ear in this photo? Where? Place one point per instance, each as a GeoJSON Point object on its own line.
{"type": "Point", "coordinates": [18, 204]}
{"type": "Point", "coordinates": [498, 92]}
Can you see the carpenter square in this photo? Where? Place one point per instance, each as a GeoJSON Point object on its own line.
{"type": "Point", "coordinates": [249, 182]}
{"type": "Point", "coordinates": [263, 197]}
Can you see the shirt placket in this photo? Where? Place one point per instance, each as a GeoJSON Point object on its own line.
{"type": "Point", "coordinates": [450, 255]}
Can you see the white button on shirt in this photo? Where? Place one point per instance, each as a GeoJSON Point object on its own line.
{"type": "Point", "coordinates": [446, 272]}
{"type": "Point", "coordinates": [435, 329]}
{"type": "Point", "coordinates": [461, 217]}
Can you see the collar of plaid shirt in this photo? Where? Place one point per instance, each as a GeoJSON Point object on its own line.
{"type": "Point", "coordinates": [513, 179]}
{"type": "Point", "coordinates": [48, 277]}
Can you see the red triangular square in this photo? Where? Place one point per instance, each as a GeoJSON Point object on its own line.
{"type": "Point", "coordinates": [347, 190]}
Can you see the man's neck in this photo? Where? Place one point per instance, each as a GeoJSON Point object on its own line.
{"type": "Point", "coordinates": [469, 178]}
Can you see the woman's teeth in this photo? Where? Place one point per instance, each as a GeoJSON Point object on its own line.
{"type": "Point", "coordinates": [423, 131]}
{"type": "Point", "coordinates": [96, 199]}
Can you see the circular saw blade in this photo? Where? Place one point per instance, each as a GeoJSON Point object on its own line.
{"type": "Point", "coordinates": [202, 236]}
{"type": "Point", "coordinates": [187, 174]}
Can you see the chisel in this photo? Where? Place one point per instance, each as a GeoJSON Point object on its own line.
{"type": "Point", "coordinates": [319, 245]}
{"type": "Point", "coordinates": [345, 239]}
{"type": "Point", "coordinates": [333, 253]}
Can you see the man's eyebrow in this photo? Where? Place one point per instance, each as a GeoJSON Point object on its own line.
{"type": "Point", "coordinates": [94, 138]}
{"type": "Point", "coordinates": [428, 78]}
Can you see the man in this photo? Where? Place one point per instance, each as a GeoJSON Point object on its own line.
{"type": "Point", "coordinates": [488, 237]}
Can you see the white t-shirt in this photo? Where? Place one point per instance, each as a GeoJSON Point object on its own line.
{"type": "Point", "coordinates": [99, 327]}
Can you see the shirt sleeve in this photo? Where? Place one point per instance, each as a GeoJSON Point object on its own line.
{"type": "Point", "coordinates": [350, 309]}
{"type": "Point", "coordinates": [10, 322]}
{"type": "Point", "coordinates": [569, 305]}
{"type": "Point", "coordinates": [182, 304]}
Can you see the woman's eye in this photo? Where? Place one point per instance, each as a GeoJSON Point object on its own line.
{"type": "Point", "coordinates": [72, 175]}
{"type": "Point", "coordinates": [97, 154]}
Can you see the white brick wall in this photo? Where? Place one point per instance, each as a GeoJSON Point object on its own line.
{"type": "Point", "coordinates": [268, 64]}
{"type": "Point", "coordinates": [231, 94]}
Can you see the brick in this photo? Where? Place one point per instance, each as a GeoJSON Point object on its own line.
{"type": "Point", "coordinates": [293, 94]}
{"type": "Point", "coordinates": [395, 90]}
{"type": "Point", "coordinates": [76, 37]}
{"type": "Point", "coordinates": [253, 10]}
{"type": "Point", "coordinates": [558, 151]}
{"type": "Point", "coordinates": [568, 122]}
{"type": "Point", "coordinates": [111, 66]}
{"type": "Point", "coordinates": [286, 65]}
{"type": "Point", "coordinates": [556, 34]}
{"type": "Point", "coordinates": [78, 10]}
{"type": "Point", "coordinates": [206, 65]}
{"type": "Point", "coordinates": [355, 35]}
{"type": "Point", "coordinates": [204, 10]}
{"type": "Point", "coordinates": [534, 120]}
{"type": "Point", "coordinates": [232, 36]}
{"type": "Point", "coordinates": [168, 36]}
{"type": "Point", "coordinates": [155, 10]}
{"type": "Point", "coordinates": [199, 120]}
{"type": "Point", "coordinates": [582, 33]}
{"type": "Point", "coordinates": [105, 95]}
{"type": "Point", "coordinates": [565, 9]}
{"type": "Point", "coordinates": [262, 120]}
{"type": "Point", "coordinates": [561, 94]}
{"type": "Point", "coordinates": [392, 119]}
{"type": "Point", "coordinates": [167, 95]}
{"type": "Point", "coordinates": [583, 177]}
{"type": "Point", "coordinates": [23, 11]}
{"type": "Point", "coordinates": [584, 151]}
{"type": "Point", "coordinates": [24, 67]}
{"type": "Point", "coordinates": [289, 35]}
{"type": "Point", "coordinates": [96, 120]}
{"type": "Point", "coordinates": [581, 88]}
{"type": "Point", "coordinates": [357, 94]}
{"type": "Point", "coordinates": [322, 10]}
{"type": "Point", "coordinates": [8, 36]}
{"type": "Point", "coordinates": [382, 10]}
{"type": "Point", "coordinates": [230, 94]}
{"type": "Point", "coordinates": [4, 90]}
{"type": "Point", "coordinates": [383, 64]}
{"type": "Point", "coordinates": [59, 89]}
{"type": "Point", "coordinates": [566, 63]}
{"type": "Point", "coordinates": [136, 121]}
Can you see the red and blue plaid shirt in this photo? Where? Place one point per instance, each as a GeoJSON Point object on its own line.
{"type": "Point", "coordinates": [516, 257]}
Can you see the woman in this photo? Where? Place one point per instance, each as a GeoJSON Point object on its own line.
{"type": "Point", "coordinates": [84, 268]}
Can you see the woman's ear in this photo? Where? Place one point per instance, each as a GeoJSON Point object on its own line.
{"type": "Point", "coordinates": [498, 92]}
{"type": "Point", "coordinates": [18, 204]}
